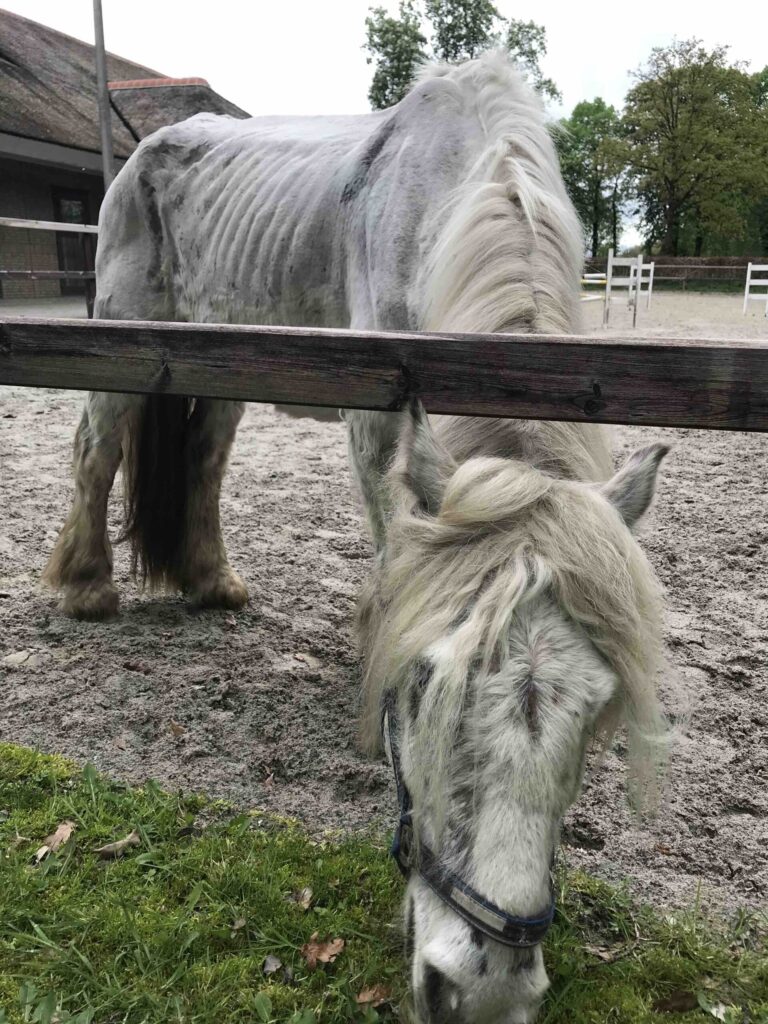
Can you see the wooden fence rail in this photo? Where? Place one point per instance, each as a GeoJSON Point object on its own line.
{"type": "Point", "coordinates": [712, 384]}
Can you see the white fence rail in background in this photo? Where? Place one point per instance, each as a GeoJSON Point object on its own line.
{"type": "Point", "coordinates": [756, 282]}
{"type": "Point", "coordinates": [646, 283]}
{"type": "Point", "coordinates": [84, 230]}
{"type": "Point", "coordinates": [48, 225]}
{"type": "Point", "coordinates": [634, 267]}
{"type": "Point", "coordinates": [592, 280]}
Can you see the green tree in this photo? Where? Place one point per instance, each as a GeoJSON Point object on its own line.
{"type": "Point", "coordinates": [395, 46]}
{"type": "Point", "coordinates": [591, 159]}
{"type": "Point", "coordinates": [696, 145]}
{"type": "Point", "coordinates": [459, 30]}
{"type": "Point", "coordinates": [527, 42]}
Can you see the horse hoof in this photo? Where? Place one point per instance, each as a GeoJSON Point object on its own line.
{"type": "Point", "coordinates": [226, 590]}
{"type": "Point", "coordinates": [91, 601]}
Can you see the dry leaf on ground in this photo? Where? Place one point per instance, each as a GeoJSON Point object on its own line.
{"type": "Point", "coordinates": [117, 849]}
{"type": "Point", "coordinates": [303, 897]}
{"type": "Point", "coordinates": [16, 659]}
{"type": "Point", "coordinates": [23, 659]}
{"type": "Point", "coordinates": [52, 843]}
{"type": "Point", "coordinates": [177, 728]}
{"type": "Point", "coordinates": [606, 953]}
{"type": "Point", "coordinates": [374, 996]}
{"type": "Point", "coordinates": [271, 964]}
{"type": "Point", "coordinates": [315, 952]}
{"type": "Point", "coordinates": [677, 1002]}
{"type": "Point", "coordinates": [309, 660]}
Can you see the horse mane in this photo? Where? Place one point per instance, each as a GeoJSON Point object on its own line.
{"type": "Point", "coordinates": [508, 254]}
{"type": "Point", "coordinates": [507, 534]}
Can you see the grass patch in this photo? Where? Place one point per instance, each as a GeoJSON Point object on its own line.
{"type": "Point", "coordinates": [179, 928]}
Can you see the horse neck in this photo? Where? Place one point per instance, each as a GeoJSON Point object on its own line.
{"type": "Point", "coordinates": [507, 250]}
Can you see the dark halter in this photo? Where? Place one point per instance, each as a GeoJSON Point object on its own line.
{"type": "Point", "coordinates": [477, 911]}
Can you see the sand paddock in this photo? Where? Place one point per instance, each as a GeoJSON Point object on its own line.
{"type": "Point", "coordinates": [260, 706]}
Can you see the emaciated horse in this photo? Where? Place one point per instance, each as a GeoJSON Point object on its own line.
{"type": "Point", "coordinates": [511, 615]}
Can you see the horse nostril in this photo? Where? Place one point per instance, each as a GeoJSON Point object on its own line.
{"type": "Point", "coordinates": [433, 990]}
{"type": "Point", "coordinates": [439, 998]}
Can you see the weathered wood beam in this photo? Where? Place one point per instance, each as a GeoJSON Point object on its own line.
{"type": "Point", "coordinates": [713, 384]}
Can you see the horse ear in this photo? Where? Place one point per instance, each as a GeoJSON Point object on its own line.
{"type": "Point", "coordinates": [425, 466]}
{"type": "Point", "coordinates": [631, 489]}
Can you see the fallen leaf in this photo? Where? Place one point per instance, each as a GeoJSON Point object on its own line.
{"type": "Point", "coordinates": [374, 996]}
{"type": "Point", "coordinates": [309, 660]}
{"type": "Point", "coordinates": [304, 898]}
{"type": "Point", "coordinates": [269, 782]}
{"type": "Point", "coordinates": [16, 659]}
{"type": "Point", "coordinates": [271, 964]}
{"type": "Point", "coordinates": [117, 849]}
{"type": "Point", "coordinates": [605, 953]}
{"type": "Point", "coordinates": [52, 843]}
{"type": "Point", "coordinates": [315, 952]}
{"type": "Point", "coordinates": [719, 1010]}
{"type": "Point", "coordinates": [230, 621]}
{"type": "Point", "coordinates": [677, 1002]}
{"type": "Point", "coordinates": [137, 666]}
{"type": "Point", "coordinates": [239, 923]}
{"type": "Point", "coordinates": [663, 848]}
{"type": "Point", "coordinates": [177, 728]}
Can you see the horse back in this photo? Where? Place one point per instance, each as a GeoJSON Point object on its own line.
{"type": "Point", "coordinates": [316, 221]}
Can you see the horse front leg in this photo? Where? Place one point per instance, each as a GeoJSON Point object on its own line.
{"type": "Point", "coordinates": [372, 441]}
{"type": "Point", "coordinates": [205, 573]}
{"type": "Point", "coordinates": [81, 561]}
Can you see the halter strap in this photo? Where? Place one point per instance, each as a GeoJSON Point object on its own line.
{"type": "Point", "coordinates": [475, 909]}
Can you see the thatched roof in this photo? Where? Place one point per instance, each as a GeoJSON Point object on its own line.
{"type": "Point", "coordinates": [48, 91]}
{"type": "Point", "coordinates": [148, 105]}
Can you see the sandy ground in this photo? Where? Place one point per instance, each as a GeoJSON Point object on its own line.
{"type": "Point", "coordinates": [260, 706]}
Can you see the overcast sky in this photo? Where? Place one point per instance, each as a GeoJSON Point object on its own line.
{"type": "Point", "coordinates": [306, 57]}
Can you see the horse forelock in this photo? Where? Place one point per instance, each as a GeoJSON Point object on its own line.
{"type": "Point", "coordinates": [506, 536]}
{"type": "Point", "coordinates": [508, 252]}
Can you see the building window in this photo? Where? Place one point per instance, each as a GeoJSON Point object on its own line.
{"type": "Point", "coordinates": [75, 250]}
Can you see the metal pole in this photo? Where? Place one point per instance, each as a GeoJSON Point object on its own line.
{"type": "Point", "coordinates": [105, 117]}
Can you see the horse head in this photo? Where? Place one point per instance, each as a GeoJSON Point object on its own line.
{"type": "Point", "coordinates": [517, 620]}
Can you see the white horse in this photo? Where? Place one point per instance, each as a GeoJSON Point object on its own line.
{"type": "Point", "coordinates": [511, 614]}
